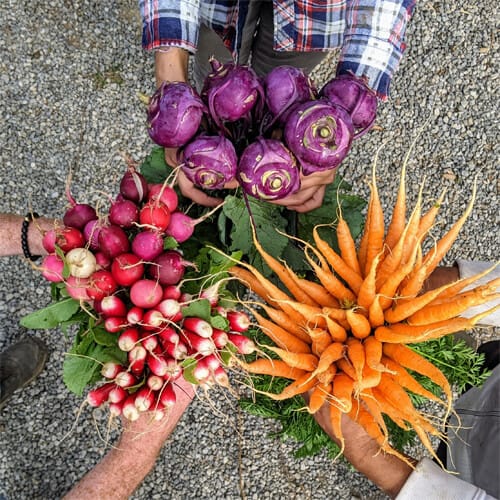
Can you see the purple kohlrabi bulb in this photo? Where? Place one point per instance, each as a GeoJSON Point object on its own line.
{"type": "Point", "coordinates": [174, 114]}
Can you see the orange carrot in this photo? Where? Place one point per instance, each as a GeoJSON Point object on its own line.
{"type": "Point", "coordinates": [298, 386]}
{"type": "Point", "coordinates": [342, 390]}
{"type": "Point", "coordinates": [360, 326]}
{"type": "Point", "coordinates": [318, 397]}
{"type": "Point", "coordinates": [369, 378]}
{"type": "Point", "coordinates": [398, 219]}
{"type": "Point", "coordinates": [344, 365]}
{"type": "Point", "coordinates": [274, 367]}
{"type": "Point", "coordinates": [394, 413]}
{"type": "Point", "coordinates": [320, 340]}
{"type": "Point", "coordinates": [347, 246]}
{"type": "Point", "coordinates": [332, 353]}
{"type": "Point", "coordinates": [281, 318]}
{"type": "Point", "coordinates": [303, 361]}
{"type": "Point", "coordinates": [356, 355]}
{"type": "Point", "coordinates": [281, 337]}
{"type": "Point", "coordinates": [373, 353]}
{"type": "Point", "coordinates": [411, 360]}
{"type": "Point", "coordinates": [250, 281]}
{"type": "Point", "coordinates": [376, 313]}
{"type": "Point", "coordinates": [314, 315]}
{"type": "Point", "coordinates": [332, 284]}
{"type": "Point", "coordinates": [366, 420]}
{"type": "Point", "coordinates": [367, 290]}
{"type": "Point", "coordinates": [353, 279]}
{"type": "Point", "coordinates": [427, 220]}
{"type": "Point", "coordinates": [336, 331]}
{"type": "Point", "coordinates": [318, 292]}
{"type": "Point", "coordinates": [326, 376]}
{"type": "Point", "coordinates": [335, 422]}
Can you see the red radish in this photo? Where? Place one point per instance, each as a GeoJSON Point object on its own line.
{"type": "Point", "coordinates": [96, 397]}
{"type": "Point", "coordinates": [221, 311]}
{"type": "Point", "coordinates": [212, 361]}
{"type": "Point", "coordinates": [211, 294]}
{"type": "Point", "coordinates": [155, 215]}
{"type": "Point", "coordinates": [149, 342]}
{"type": "Point", "coordinates": [165, 194]}
{"type": "Point", "coordinates": [171, 292]}
{"type": "Point", "coordinates": [146, 293]}
{"type": "Point", "coordinates": [168, 267]}
{"type": "Point", "coordinates": [129, 410]}
{"type": "Point", "coordinates": [203, 346]}
{"type": "Point", "coordinates": [176, 350]}
{"type": "Point", "coordinates": [185, 298]}
{"type": "Point", "coordinates": [52, 268]}
{"type": "Point", "coordinates": [117, 394]}
{"type": "Point", "coordinates": [144, 399]}
{"type": "Point", "coordinates": [101, 285]}
{"type": "Point", "coordinates": [128, 339]}
{"type": "Point", "coordinates": [135, 315]}
{"type": "Point", "coordinates": [174, 370]}
{"type": "Point", "coordinates": [67, 238]}
{"type": "Point", "coordinates": [127, 268]}
{"type": "Point", "coordinates": [157, 364]}
{"type": "Point", "coordinates": [199, 326]}
{"type": "Point", "coordinates": [113, 241]}
{"type": "Point", "coordinates": [102, 260]}
{"type": "Point", "coordinates": [159, 413]}
{"type": "Point", "coordinates": [170, 309]}
{"type": "Point", "coordinates": [238, 321]}
{"type": "Point", "coordinates": [111, 370]}
{"type": "Point", "coordinates": [77, 288]}
{"type": "Point", "coordinates": [124, 213]}
{"type": "Point", "coordinates": [243, 344]}
{"type": "Point", "coordinates": [125, 379]}
{"type": "Point", "coordinates": [220, 338]}
{"type": "Point", "coordinates": [154, 382]}
{"type": "Point", "coordinates": [49, 241]}
{"type": "Point", "coordinates": [137, 359]}
{"type": "Point", "coordinates": [113, 306]}
{"type": "Point", "coordinates": [169, 335]}
{"type": "Point", "coordinates": [133, 185]}
{"type": "Point", "coordinates": [221, 377]}
{"type": "Point", "coordinates": [152, 320]}
{"type": "Point", "coordinates": [167, 396]}
{"type": "Point", "coordinates": [115, 409]}
{"type": "Point", "coordinates": [79, 215]}
{"type": "Point", "coordinates": [81, 262]}
{"type": "Point", "coordinates": [201, 371]}
{"type": "Point", "coordinates": [147, 245]}
{"type": "Point", "coordinates": [115, 324]}
{"type": "Point", "coordinates": [91, 233]}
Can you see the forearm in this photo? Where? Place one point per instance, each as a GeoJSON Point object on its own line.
{"type": "Point", "coordinates": [10, 234]}
{"type": "Point", "coordinates": [171, 66]}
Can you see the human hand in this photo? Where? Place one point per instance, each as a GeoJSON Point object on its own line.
{"type": "Point", "coordinates": [311, 193]}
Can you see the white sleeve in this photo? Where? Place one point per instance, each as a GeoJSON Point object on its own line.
{"type": "Point", "coordinates": [468, 268]}
{"type": "Point", "coordinates": [428, 481]}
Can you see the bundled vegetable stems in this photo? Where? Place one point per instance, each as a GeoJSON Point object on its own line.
{"type": "Point", "coordinates": [344, 336]}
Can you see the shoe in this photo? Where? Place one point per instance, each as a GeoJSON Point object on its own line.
{"type": "Point", "coordinates": [20, 363]}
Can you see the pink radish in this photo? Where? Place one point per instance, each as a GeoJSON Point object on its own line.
{"type": "Point", "coordinates": [77, 288]}
{"type": "Point", "coordinates": [171, 292]}
{"type": "Point", "coordinates": [165, 194]}
{"type": "Point", "coordinates": [124, 213]}
{"type": "Point", "coordinates": [96, 397]}
{"type": "Point", "coordinates": [113, 306]}
{"type": "Point", "coordinates": [101, 284]}
{"type": "Point", "coordinates": [127, 268]}
{"type": "Point", "coordinates": [52, 268]}
{"type": "Point", "coordinates": [199, 326]}
{"type": "Point", "coordinates": [181, 226]}
{"type": "Point", "coordinates": [102, 260]}
{"type": "Point", "coordinates": [113, 241]}
{"type": "Point", "coordinates": [146, 293]}
{"type": "Point", "coordinates": [238, 321]}
{"type": "Point", "coordinates": [147, 245]}
{"type": "Point", "coordinates": [128, 339]}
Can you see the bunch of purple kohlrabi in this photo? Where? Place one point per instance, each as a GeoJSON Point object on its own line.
{"type": "Point", "coordinates": [265, 133]}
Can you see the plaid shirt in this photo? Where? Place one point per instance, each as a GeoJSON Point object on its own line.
{"type": "Point", "coordinates": [370, 33]}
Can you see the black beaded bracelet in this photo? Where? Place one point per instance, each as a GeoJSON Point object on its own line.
{"type": "Point", "coordinates": [24, 236]}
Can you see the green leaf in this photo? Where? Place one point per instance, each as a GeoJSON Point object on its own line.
{"type": "Point", "coordinates": [62, 256]}
{"type": "Point", "coordinates": [170, 243]}
{"type": "Point", "coordinates": [154, 168]}
{"type": "Point", "coordinates": [198, 309]}
{"type": "Point", "coordinates": [52, 315]}
{"type": "Point", "coordinates": [219, 322]}
{"type": "Point", "coordinates": [78, 371]}
{"type": "Point", "coordinates": [188, 372]}
{"type": "Point", "coordinates": [102, 337]}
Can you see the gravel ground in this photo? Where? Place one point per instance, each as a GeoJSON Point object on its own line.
{"type": "Point", "coordinates": [69, 77]}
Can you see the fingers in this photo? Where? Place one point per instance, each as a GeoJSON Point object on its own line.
{"type": "Point", "coordinates": [189, 190]}
{"type": "Point", "coordinates": [171, 157]}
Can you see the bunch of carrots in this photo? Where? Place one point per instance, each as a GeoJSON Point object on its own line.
{"type": "Point", "coordinates": [343, 337]}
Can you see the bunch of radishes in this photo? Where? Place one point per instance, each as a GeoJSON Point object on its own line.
{"type": "Point", "coordinates": [118, 265]}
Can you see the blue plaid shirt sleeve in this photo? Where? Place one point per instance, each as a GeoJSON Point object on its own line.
{"type": "Point", "coordinates": [373, 42]}
{"type": "Point", "coordinates": [170, 23]}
